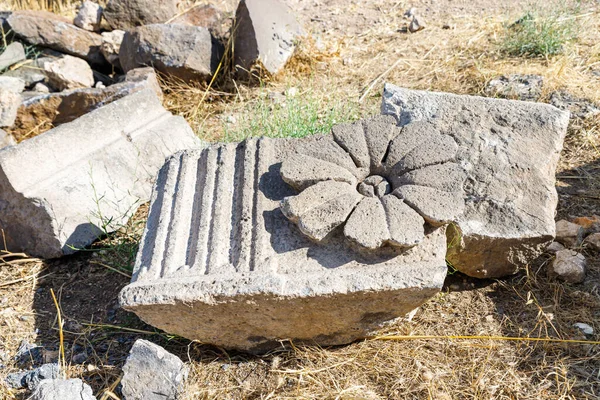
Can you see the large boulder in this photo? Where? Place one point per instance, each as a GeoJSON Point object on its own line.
{"type": "Point", "coordinates": [63, 189]}
{"type": "Point", "coordinates": [266, 32]}
{"type": "Point", "coordinates": [140, 380]}
{"type": "Point", "coordinates": [509, 150]}
{"type": "Point", "coordinates": [186, 52]}
{"type": "Point", "coordinates": [55, 32]}
{"type": "Point", "coordinates": [127, 14]}
{"type": "Point", "coordinates": [282, 247]}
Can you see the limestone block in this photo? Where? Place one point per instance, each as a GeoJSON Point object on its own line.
{"type": "Point", "coordinates": [509, 151]}
{"type": "Point", "coordinates": [58, 189]}
{"type": "Point", "coordinates": [219, 261]}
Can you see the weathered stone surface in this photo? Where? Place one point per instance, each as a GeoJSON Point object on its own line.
{"type": "Point", "coordinates": [13, 53]}
{"type": "Point", "coordinates": [66, 106]}
{"type": "Point", "coordinates": [55, 32]}
{"type": "Point", "coordinates": [400, 165]}
{"type": "Point", "coordinates": [58, 189]}
{"type": "Point", "coordinates": [568, 233]}
{"type": "Point", "coordinates": [206, 16]}
{"type": "Point", "coordinates": [128, 14]}
{"type": "Point", "coordinates": [509, 151]}
{"type": "Point", "coordinates": [555, 247]}
{"type": "Point", "coordinates": [186, 52]}
{"type": "Point", "coordinates": [265, 32]}
{"type": "Point", "coordinates": [31, 379]}
{"type": "Point", "coordinates": [516, 87]}
{"type": "Point", "coordinates": [593, 240]}
{"type": "Point", "coordinates": [63, 389]}
{"type": "Point", "coordinates": [578, 107]}
{"type": "Point", "coordinates": [69, 72]}
{"type": "Point", "coordinates": [10, 99]}
{"type": "Point", "coordinates": [569, 266]}
{"type": "Point", "coordinates": [218, 244]}
{"type": "Point", "coordinates": [13, 84]}
{"type": "Point", "coordinates": [111, 44]}
{"type": "Point", "coordinates": [6, 139]}
{"type": "Point", "coordinates": [89, 16]}
{"type": "Point", "coordinates": [140, 378]}
{"type": "Point", "coordinates": [31, 72]}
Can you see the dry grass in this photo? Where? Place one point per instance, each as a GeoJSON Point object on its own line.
{"type": "Point", "coordinates": [339, 72]}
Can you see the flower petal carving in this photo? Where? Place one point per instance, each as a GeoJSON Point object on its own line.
{"type": "Point", "coordinates": [301, 171]}
{"type": "Point", "coordinates": [436, 206]}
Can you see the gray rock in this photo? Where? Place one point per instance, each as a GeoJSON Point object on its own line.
{"type": "Point", "coordinates": [585, 328]}
{"type": "Point", "coordinates": [13, 84]}
{"type": "Point", "coordinates": [63, 389]}
{"type": "Point", "coordinates": [555, 247]}
{"type": "Point", "coordinates": [89, 16]}
{"type": "Point", "coordinates": [10, 99]}
{"type": "Point", "coordinates": [13, 54]}
{"type": "Point", "coordinates": [509, 151]}
{"type": "Point", "coordinates": [578, 107]}
{"type": "Point", "coordinates": [31, 379]}
{"type": "Point", "coordinates": [186, 52]}
{"type": "Point", "coordinates": [55, 32]}
{"type": "Point", "coordinates": [593, 241]}
{"type": "Point", "coordinates": [266, 32]}
{"type": "Point", "coordinates": [128, 14]}
{"type": "Point", "coordinates": [140, 378]}
{"type": "Point", "coordinates": [59, 190]}
{"type": "Point", "coordinates": [31, 72]}
{"type": "Point", "coordinates": [416, 24]}
{"type": "Point", "coordinates": [69, 72]}
{"type": "Point", "coordinates": [517, 87]}
{"type": "Point", "coordinates": [6, 139]}
{"type": "Point", "coordinates": [206, 16]}
{"type": "Point", "coordinates": [217, 244]}
{"type": "Point", "coordinates": [41, 88]}
{"type": "Point", "coordinates": [111, 44]}
{"type": "Point", "coordinates": [569, 265]}
{"type": "Point", "coordinates": [569, 234]}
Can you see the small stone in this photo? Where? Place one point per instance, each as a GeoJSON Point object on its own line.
{"type": "Point", "coordinates": [579, 107]}
{"type": "Point", "coordinates": [62, 389]}
{"type": "Point", "coordinates": [569, 265]}
{"type": "Point", "coordinates": [6, 139]}
{"type": "Point", "coordinates": [13, 53]}
{"type": "Point", "coordinates": [416, 24]}
{"type": "Point", "coordinates": [569, 234]}
{"type": "Point", "coordinates": [111, 44]}
{"type": "Point", "coordinates": [41, 88]}
{"type": "Point", "coordinates": [585, 328]}
{"type": "Point", "coordinates": [517, 87]}
{"type": "Point", "coordinates": [140, 378]}
{"type": "Point", "coordinates": [128, 14]}
{"type": "Point", "coordinates": [555, 247]}
{"type": "Point", "coordinates": [31, 379]}
{"type": "Point", "coordinates": [69, 73]}
{"type": "Point", "coordinates": [99, 85]}
{"type": "Point", "coordinates": [593, 241]}
{"type": "Point", "coordinates": [89, 16]}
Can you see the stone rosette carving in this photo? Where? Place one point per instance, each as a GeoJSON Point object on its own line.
{"type": "Point", "coordinates": [383, 183]}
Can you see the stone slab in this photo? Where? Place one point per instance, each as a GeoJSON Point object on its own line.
{"type": "Point", "coordinates": [220, 263]}
{"type": "Point", "coordinates": [509, 150]}
{"type": "Point", "coordinates": [59, 189]}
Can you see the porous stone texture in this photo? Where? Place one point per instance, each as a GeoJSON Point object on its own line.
{"type": "Point", "coordinates": [509, 151]}
{"type": "Point", "coordinates": [266, 31]}
{"type": "Point", "coordinates": [152, 373]}
{"type": "Point", "coordinates": [12, 54]}
{"type": "Point", "coordinates": [6, 139]}
{"type": "Point", "coordinates": [89, 16]}
{"type": "Point", "coordinates": [569, 265]}
{"type": "Point", "coordinates": [59, 189]}
{"type": "Point", "coordinates": [217, 245]}
{"type": "Point", "coordinates": [516, 87]}
{"type": "Point", "coordinates": [128, 14]}
{"type": "Point", "coordinates": [31, 379]}
{"type": "Point", "coordinates": [66, 106]}
{"type": "Point", "coordinates": [186, 52]}
{"type": "Point", "coordinates": [383, 180]}
{"type": "Point", "coordinates": [578, 107]}
{"type": "Point", "coordinates": [569, 234]}
{"type": "Point", "coordinates": [63, 389]}
{"type": "Point", "coordinates": [69, 72]}
{"type": "Point", "coordinates": [55, 32]}
{"type": "Point", "coordinates": [111, 44]}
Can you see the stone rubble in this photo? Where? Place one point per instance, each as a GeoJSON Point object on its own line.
{"type": "Point", "coordinates": [569, 265]}
{"type": "Point", "coordinates": [111, 44]}
{"type": "Point", "coordinates": [129, 14]}
{"type": "Point", "coordinates": [140, 378]}
{"type": "Point", "coordinates": [12, 54]}
{"type": "Point", "coordinates": [60, 190]}
{"type": "Point", "coordinates": [518, 87]}
{"type": "Point", "coordinates": [509, 151]}
{"type": "Point", "coordinates": [31, 379]}
{"type": "Point", "coordinates": [593, 241]}
{"type": "Point", "coordinates": [62, 389]}
{"type": "Point", "coordinates": [68, 73]}
{"type": "Point", "coordinates": [89, 16]}
{"type": "Point", "coordinates": [206, 16]}
{"type": "Point", "coordinates": [266, 32]}
{"type": "Point", "coordinates": [569, 234]}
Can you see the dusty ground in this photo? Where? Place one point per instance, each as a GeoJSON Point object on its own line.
{"type": "Point", "coordinates": [355, 46]}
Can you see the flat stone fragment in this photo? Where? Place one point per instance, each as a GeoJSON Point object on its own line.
{"type": "Point", "coordinates": [265, 32]}
{"type": "Point", "coordinates": [69, 72]}
{"type": "Point", "coordinates": [152, 373]}
{"type": "Point", "coordinates": [58, 33]}
{"type": "Point", "coordinates": [569, 265]}
{"type": "Point", "coordinates": [509, 151]}
{"type": "Point", "coordinates": [62, 389]}
{"type": "Point", "coordinates": [217, 244]}
{"type": "Point", "coordinates": [12, 54]}
{"type": "Point", "coordinates": [128, 14]}
{"type": "Point", "coordinates": [58, 190]}
{"type": "Point", "coordinates": [186, 52]}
